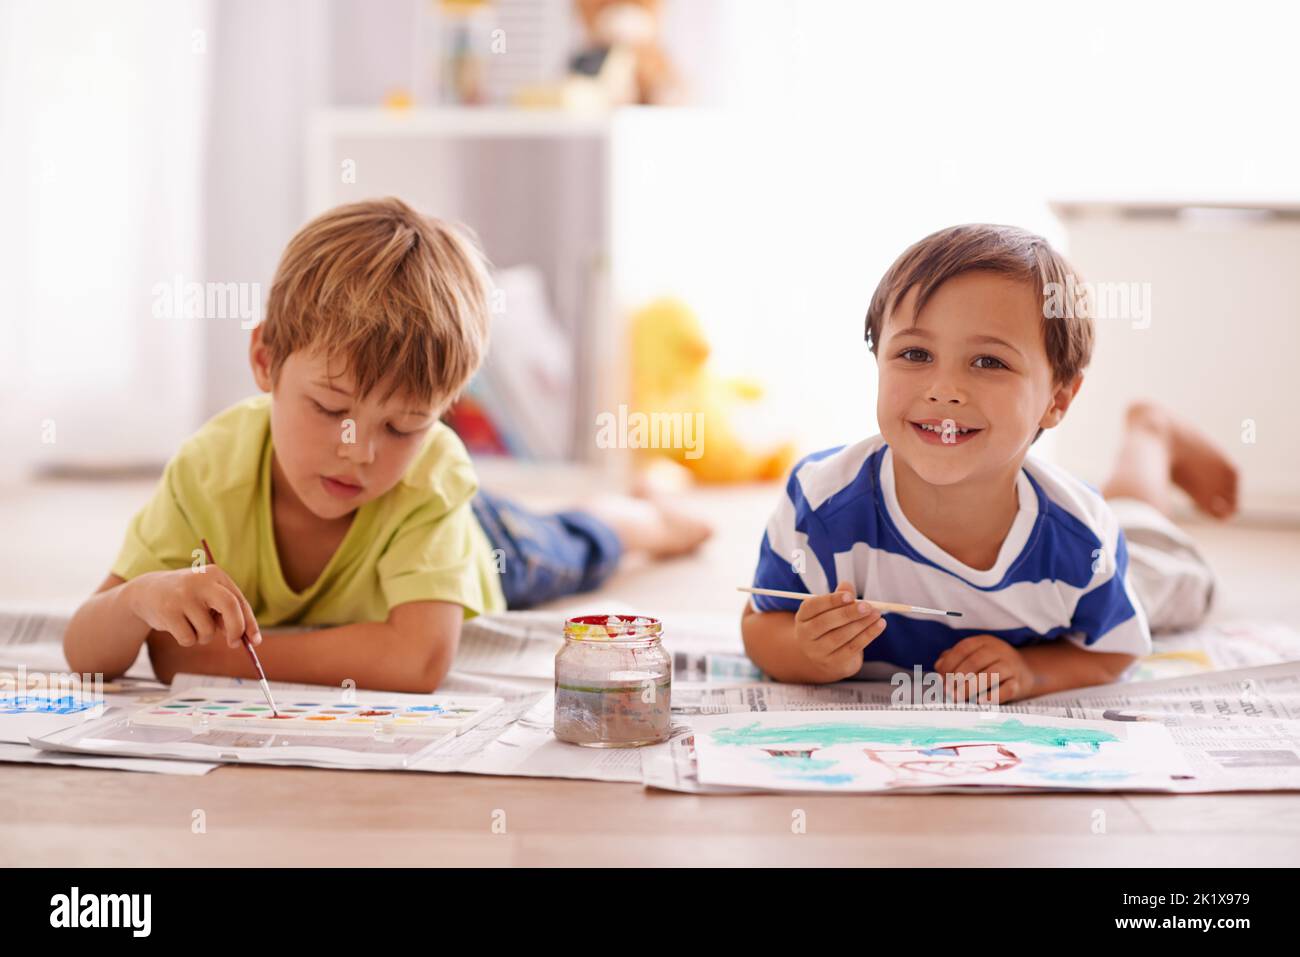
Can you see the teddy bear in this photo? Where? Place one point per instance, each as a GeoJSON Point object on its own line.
{"type": "Point", "coordinates": [623, 52]}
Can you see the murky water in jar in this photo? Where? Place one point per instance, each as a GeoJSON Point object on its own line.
{"type": "Point", "coordinates": [630, 708]}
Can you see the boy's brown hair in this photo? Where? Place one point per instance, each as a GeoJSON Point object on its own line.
{"type": "Point", "coordinates": [1018, 253]}
{"type": "Point", "coordinates": [388, 290]}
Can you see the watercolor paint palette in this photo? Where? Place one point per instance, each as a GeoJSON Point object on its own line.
{"type": "Point", "coordinates": [311, 712]}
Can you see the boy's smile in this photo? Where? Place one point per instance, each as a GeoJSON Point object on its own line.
{"type": "Point", "coordinates": [944, 431]}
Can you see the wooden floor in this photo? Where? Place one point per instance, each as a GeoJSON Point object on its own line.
{"type": "Point", "coordinates": [61, 538]}
{"type": "Point", "coordinates": [307, 816]}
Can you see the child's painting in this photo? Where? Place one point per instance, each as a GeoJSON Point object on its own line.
{"type": "Point", "coordinates": [44, 702]}
{"type": "Point", "coordinates": [890, 750]}
{"type": "Point", "coordinates": [245, 709]}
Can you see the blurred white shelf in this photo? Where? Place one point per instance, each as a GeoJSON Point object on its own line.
{"type": "Point", "coordinates": [595, 201]}
{"type": "Point", "coordinates": [459, 121]}
{"type": "Point", "coordinates": [1221, 209]}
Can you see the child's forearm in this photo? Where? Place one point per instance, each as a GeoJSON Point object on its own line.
{"type": "Point", "coordinates": [371, 654]}
{"type": "Point", "coordinates": [105, 635]}
{"type": "Point", "coordinates": [1060, 665]}
{"type": "Point", "coordinates": [770, 644]}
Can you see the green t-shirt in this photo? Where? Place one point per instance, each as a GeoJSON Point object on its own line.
{"type": "Point", "coordinates": [419, 541]}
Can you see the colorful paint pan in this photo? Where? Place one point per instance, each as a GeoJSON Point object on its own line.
{"type": "Point", "coordinates": [432, 715]}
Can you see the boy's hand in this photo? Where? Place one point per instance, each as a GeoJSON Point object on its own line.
{"type": "Point", "coordinates": [831, 631]}
{"type": "Point", "coordinates": [1008, 673]}
{"type": "Point", "coordinates": [194, 607]}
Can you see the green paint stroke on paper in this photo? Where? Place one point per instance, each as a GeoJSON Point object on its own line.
{"type": "Point", "coordinates": [918, 735]}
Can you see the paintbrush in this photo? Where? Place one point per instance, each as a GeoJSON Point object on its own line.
{"type": "Point", "coordinates": [248, 645]}
{"type": "Point", "coordinates": [882, 605]}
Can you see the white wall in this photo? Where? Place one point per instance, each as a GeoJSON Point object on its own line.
{"type": "Point", "coordinates": [866, 125]}
{"type": "Point", "coordinates": [1216, 338]}
{"type": "Point", "coordinates": [102, 122]}
{"type": "Point", "coordinates": [270, 63]}
{"type": "Point", "coordinates": [874, 124]}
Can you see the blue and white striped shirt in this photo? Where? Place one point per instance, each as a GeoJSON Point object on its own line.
{"type": "Point", "coordinates": [1062, 570]}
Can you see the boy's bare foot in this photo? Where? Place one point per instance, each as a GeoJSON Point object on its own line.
{"type": "Point", "coordinates": [651, 525]}
{"type": "Point", "coordinates": [1203, 470]}
{"type": "Point", "coordinates": [1194, 463]}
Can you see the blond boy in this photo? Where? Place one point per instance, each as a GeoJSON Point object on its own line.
{"type": "Point", "coordinates": [338, 499]}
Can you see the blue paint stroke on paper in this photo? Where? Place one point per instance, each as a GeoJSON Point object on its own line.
{"type": "Point", "coordinates": [918, 735]}
{"type": "Point", "coordinates": [44, 704]}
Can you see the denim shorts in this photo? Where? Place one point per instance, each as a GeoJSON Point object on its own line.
{"type": "Point", "coordinates": [546, 556]}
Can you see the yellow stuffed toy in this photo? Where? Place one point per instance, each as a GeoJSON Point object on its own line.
{"type": "Point", "coordinates": [670, 375]}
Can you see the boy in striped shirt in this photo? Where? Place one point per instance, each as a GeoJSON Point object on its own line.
{"type": "Point", "coordinates": [1059, 586]}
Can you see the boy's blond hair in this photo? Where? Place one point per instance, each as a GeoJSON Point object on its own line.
{"type": "Point", "coordinates": [387, 290]}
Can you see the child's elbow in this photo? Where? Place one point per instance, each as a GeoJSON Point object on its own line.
{"type": "Point", "coordinates": [1117, 665]}
{"type": "Point", "coordinates": [432, 675]}
{"type": "Point", "coordinates": [426, 683]}
{"type": "Point", "coordinates": [79, 662]}
{"type": "Point", "coordinates": [74, 657]}
{"type": "Point", "coordinates": [425, 636]}
{"type": "Point", "coordinates": [82, 657]}
{"type": "Point", "coordinates": [750, 623]}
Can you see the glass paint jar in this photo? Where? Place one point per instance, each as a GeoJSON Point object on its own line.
{"type": "Point", "coordinates": [613, 682]}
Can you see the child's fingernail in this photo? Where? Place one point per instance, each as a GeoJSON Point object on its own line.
{"type": "Point", "coordinates": [864, 606]}
{"type": "Point", "coordinates": [846, 599]}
